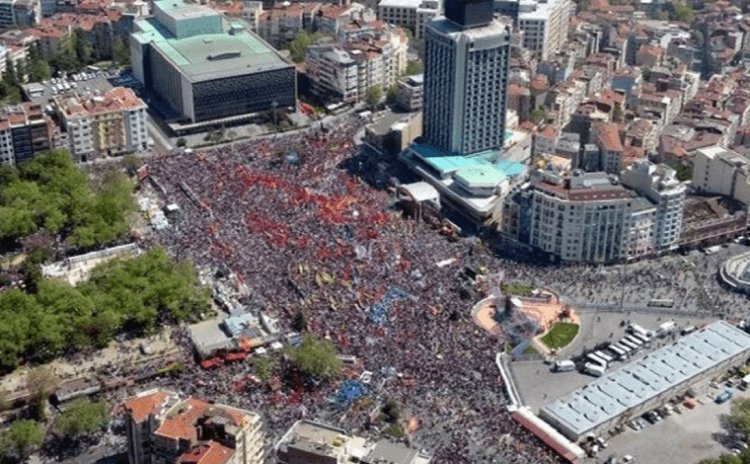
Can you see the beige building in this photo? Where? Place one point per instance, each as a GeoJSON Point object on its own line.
{"type": "Point", "coordinates": [544, 25]}
{"type": "Point", "coordinates": [104, 125]}
{"type": "Point", "coordinates": [719, 170]}
{"type": "Point", "coordinates": [163, 428]}
{"type": "Point", "coordinates": [411, 14]}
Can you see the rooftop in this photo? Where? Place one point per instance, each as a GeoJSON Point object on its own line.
{"type": "Point", "coordinates": [648, 377]}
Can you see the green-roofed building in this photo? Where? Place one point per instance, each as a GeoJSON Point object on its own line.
{"type": "Point", "coordinates": [206, 67]}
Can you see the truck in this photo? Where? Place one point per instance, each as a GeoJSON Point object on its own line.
{"type": "Point", "coordinates": [745, 382]}
{"type": "Point", "coordinates": [666, 328]}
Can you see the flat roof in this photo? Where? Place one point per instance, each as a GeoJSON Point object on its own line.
{"type": "Point", "coordinates": [638, 382]}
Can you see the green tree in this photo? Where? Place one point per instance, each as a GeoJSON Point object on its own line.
{"type": "Point", "coordinates": [617, 114]}
{"type": "Point", "coordinates": [391, 96]}
{"type": "Point", "coordinates": [264, 368]}
{"type": "Point", "coordinates": [82, 417]}
{"type": "Point", "coordinates": [83, 48]}
{"type": "Point", "coordinates": [414, 67]}
{"type": "Point", "coordinates": [181, 142]}
{"type": "Point", "coordinates": [299, 323]}
{"type": "Point", "coordinates": [374, 95]}
{"type": "Point", "coordinates": [40, 382]}
{"type": "Point", "coordinates": [120, 52]}
{"type": "Point", "coordinates": [683, 13]}
{"type": "Point", "coordinates": [739, 416]}
{"type": "Point", "coordinates": [316, 357]}
{"type": "Point", "coordinates": [22, 437]}
{"type": "Point", "coordinates": [662, 16]}
{"type": "Point", "coordinates": [298, 46]}
{"type": "Point", "coordinates": [37, 67]}
{"type": "Point", "coordinates": [697, 37]}
{"type": "Point", "coordinates": [537, 115]}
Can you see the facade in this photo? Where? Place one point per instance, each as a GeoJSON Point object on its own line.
{"type": "Point", "coordinates": [718, 170]}
{"type": "Point", "coordinates": [163, 428]}
{"type": "Point", "coordinates": [411, 92]}
{"type": "Point", "coordinates": [544, 25]}
{"type": "Point", "coordinates": [106, 125]}
{"type": "Point", "coordinates": [466, 79]}
{"type": "Point", "coordinates": [24, 132]}
{"type": "Point", "coordinates": [411, 14]}
{"type": "Point", "coordinates": [19, 13]}
{"type": "Point", "coordinates": [205, 68]}
{"type": "Point", "coordinates": [310, 442]}
{"type": "Point", "coordinates": [649, 382]}
{"type": "Point", "coordinates": [346, 70]}
{"type": "Point", "coordinates": [659, 184]}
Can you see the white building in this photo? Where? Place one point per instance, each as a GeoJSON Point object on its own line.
{"type": "Point", "coordinates": [719, 170]}
{"type": "Point", "coordinates": [544, 25]}
{"type": "Point", "coordinates": [411, 14]}
{"type": "Point", "coordinates": [659, 184]}
{"type": "Point", "coordinates": [110, 124]}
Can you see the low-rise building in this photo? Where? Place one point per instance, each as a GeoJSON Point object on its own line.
{"type": "Point", "coordinates": [163, 427]}
{"type": "Point", "coordinates": [103, 125]}
{"type": "Point", "coordinates": [411, 92]}
{"type": "Point", "coordinates": [307, 442]}
{"type": "Point", "coordinates": [411, 14]}
{"type": "Point", "coordinates": [719, 170]}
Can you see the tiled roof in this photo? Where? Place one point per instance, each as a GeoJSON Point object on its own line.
{"type": "Point", "coordinates": [140, 407]}
{"type": "Point", "coordinates": [609, 137]}
{"type": "Point", "coordinates": [211, 452]}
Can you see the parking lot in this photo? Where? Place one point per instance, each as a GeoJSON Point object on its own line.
{"type": "Point", "coordinates": [87, 82]}
{"type": "Point", "coordinates": [686, 437]}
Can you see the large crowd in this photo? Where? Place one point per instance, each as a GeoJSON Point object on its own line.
{"type": "Point", "coordinates": [305, 236]}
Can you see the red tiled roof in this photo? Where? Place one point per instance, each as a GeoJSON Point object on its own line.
{"type": "Point", "coordinates": [211, 452]}
{"type": "Point", "coordinates": [609, 137]}
{"type": "Point", "coordinates": [142, 407]}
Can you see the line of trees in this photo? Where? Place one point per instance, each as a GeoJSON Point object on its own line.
{"type": "Point", "coordinates": [133, 295]}
{"type": "Point", "coordinates": [51, 193]}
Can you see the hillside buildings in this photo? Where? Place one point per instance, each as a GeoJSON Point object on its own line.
{"type": "Point", "coordinates": [410, 14]}
{"type": "Point", "coordinates": [543, 25]}
{"type": "Point", "coordinates": [110, 124]}
{"type": "Point", "coordinates": [204, 68]}
{"type": "Point", "coordinates": [164, 428]}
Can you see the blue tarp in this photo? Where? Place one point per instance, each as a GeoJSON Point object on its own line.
{"type": "Point", "coordinates": [379, 311]}
{"type": "Point", "coordinates": [350, 392]}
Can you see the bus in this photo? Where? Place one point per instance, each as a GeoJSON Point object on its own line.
{"type": "Point", "coordinates": [657, 303]}
{"type": "Point", "coordinates": [635, 341]}
{"type": "Point", "coordinates": [629, 344]}
{"type": "Point", "coordinates": [641, 337]}
{"type": "Point", "coordinates": [621, 354]}
{"type": "Point", "coordinates": [596, 359]}
{"type": "Point", "coordinates": [594, 369]}
{"type": "Point", "coordinates": [622, 347]}
{"type": "Point", "coordinates": [604, 356]}
{"type": "Point", "coordinates": [637, 329]}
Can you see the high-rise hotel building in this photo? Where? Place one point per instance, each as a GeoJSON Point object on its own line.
{"type": "Point", "coordinates": [466, 78]}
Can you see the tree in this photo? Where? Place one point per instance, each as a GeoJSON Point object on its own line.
{"type": "Point", "coordinates": [181, 142]}
{"type": "Point", "coordinates": [617, 114]}
{"type": "Point", "coordinates": [264, 368]}
{"type": "Point", "coordinates": [82, 417]}
{"type": "Point", "coordinates": [40, 382]}
{"type": "Point", "coordinates": [392, 411]}
{"type": "Point", "coordinates": [374, 95]}
{"type": "Point", "coordinates": [391, 95]}
{"type": "Point", "coordinates": [37, 67]}
{"type": "Point", "coordinates": [83, 48]}
{"type": "Point", "coordinates": [316, 357]}
{"type": "Point", "coordinates": [739, 416]}
{"type": "Point", "coordinates": [662, 16]}
{"type": "Point", "coordinates": [22, 437]}
{"type": "Point", "coordinates": [537, 115]}
{"type": "Point", "coordinates": [683, 13]}
{"type": "Point", "coordinates": [697, 37]}
{"type": "Point", "coordinates": [414, 67]}
{"type": "Point", "coordinates": [299, 323]}
{"type": "Point", "coordinates": [120, 52]}
{"type": "Point", "coordinates": [299, 45]}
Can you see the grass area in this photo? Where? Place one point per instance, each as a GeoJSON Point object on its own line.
{"type": "Point", "coordinates": [530, 350]}
{"type": "Point", "coordinates": [560, 335]}
{"type": "Point", "coordinates": [510, 288]}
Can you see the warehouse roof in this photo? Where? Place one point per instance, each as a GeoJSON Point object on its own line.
{"type": "Point", "coordinates": [637, 382]}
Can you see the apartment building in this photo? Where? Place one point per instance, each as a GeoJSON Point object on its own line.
{"type": "Point", "coordinates": [719, 170]}
{"type": "Point", "coordinates": [24, 132]}
{"type": "Point", "coordinates": [19, 13]}
{"type": "Point", "coordinates": [410, 14]}
{"type": "Point", "coordinates": [163, 428]}
{"type": "Point", "coordinates": [544, 25]}
{"type": "Point", "coordinates": [411, 92]}
{"type": "Point", "coordinates": [606, 136]}
{"type": "Point", "coordinates": [659, 184]}
{"type": "Point", "coordinates": [103, 125]}
{"type": "Point", "coordinates": [347, 70]}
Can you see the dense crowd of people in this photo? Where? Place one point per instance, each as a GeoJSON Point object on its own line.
{"type": "Point", "coordinates": [305, 236]}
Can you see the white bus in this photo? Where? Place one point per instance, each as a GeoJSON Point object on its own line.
{"type": "Point", "coordinates": [629, 344]}
{"type": "Point", "coordinates": [594, 369]}
{"type": "Point", "coordinates": [596, 359]}
{"type": "Point", "coordinates": [604, 356]}
{"type": "Point", "coordinates": [621, 354]}
{"type": "Point", "coordinates": [635, 341]}
{"type": "Point", "coordinates": [623, 347]}
{"type": "Point", "coordinates": [637, 329]}
{"type": "Point", "coordinates": [641, 337]}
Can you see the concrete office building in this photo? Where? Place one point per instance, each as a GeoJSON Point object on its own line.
{"type": "Point", "coordinates": [659, 184]}
{"type": "Point", "coordinates": [544, 25]}
{"type": "Point", "coordinates": [205, 68]}
{"type": "Point", "coordinates": [466, 79]}
{"type": "Point", "coordinates": [719, 170]}
{"type": "Point", "coordinates": [649, 382]}
{"type": "Point", "coordinates": [311, 442]}
{"type": "Point", "coordinates": [411, 92]}
{"type": "Point", "coordinates": [24, 132]}
{"type": "Point", "coordinates": [163, 428]}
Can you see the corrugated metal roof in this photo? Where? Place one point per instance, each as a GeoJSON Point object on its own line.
{"type": "Point", "coordinates": [637, 382]}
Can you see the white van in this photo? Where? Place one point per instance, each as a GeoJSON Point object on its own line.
{"type": "Point", "coordinates": [564, 365]}
{"type": "Point", "coordinates": [594, 369]}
